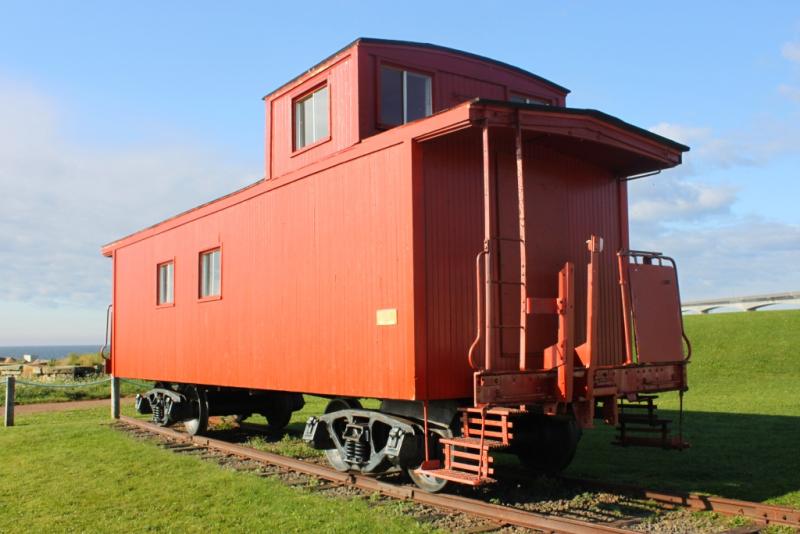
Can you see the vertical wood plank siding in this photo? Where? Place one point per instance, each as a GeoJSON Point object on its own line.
{"type": "Point", "coordinates": [304, 269]}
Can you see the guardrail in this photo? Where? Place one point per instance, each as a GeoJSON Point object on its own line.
{"type": "Point", "coordinates": [748, 303]}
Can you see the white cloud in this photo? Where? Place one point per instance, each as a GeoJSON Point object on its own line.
{"type": "Point", "coordinates": [791, 51]}
{"type": "Point", "coordinates": [61, 201]}
{"type": "Point", "coordinates": [744, 256]}
{"type": "Point", "coordinates": [670, 198]}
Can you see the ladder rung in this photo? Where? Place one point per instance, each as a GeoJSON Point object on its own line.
{"type": "Point", "coordinates": [465, 467]}
{"type": "Point", "coordinates": [475, 433]}
{"type": "Point", "coordinates": [490, 411]}
{"type": "Point", "coordinates": [469, 455]}
{"type": "Point", "coordinates": [472, 468]}
{"type": "Point", "coordinates": [472, 443]}
{"type": "Point", "coordinates": [492, 422]}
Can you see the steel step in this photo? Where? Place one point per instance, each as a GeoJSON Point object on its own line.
{"type": "Point", "coordinates": [473, 443]}
{"type": "Point", "coordinates": [470, 479]}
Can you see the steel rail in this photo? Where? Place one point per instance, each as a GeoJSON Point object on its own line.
{"type": "Point", "coordinates": [764, 513]}
{"type": "Point", "coordinates": [493, 512]}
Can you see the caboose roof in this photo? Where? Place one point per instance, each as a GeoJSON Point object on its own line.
{"type": "Point", "coordinates": [424, 46]}
{"type": "Point", "coordinates": [586, 112]}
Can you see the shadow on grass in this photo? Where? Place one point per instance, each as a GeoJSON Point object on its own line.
{"type": "Point", "coordinates": [237, 434]}
{"type": "Point", "coordinates": [743, 456]}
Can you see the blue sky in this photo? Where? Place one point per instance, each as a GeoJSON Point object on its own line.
{"type": "Point", "coordinates": [116, 115]}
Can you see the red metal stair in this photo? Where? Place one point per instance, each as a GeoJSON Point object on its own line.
{"type": "Point", "coordinates": [467, 458]}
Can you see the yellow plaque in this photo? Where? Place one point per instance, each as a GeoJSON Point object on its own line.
{"type": "Point", "coordinates": [386, 317]}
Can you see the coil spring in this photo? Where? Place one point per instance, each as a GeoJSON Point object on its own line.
{"type": "Point", "coordinates": [362, 451]}
{"type": "Point", "coordinates": [158, 412]}
{"type": "Point", "coordinates": [356, 451]}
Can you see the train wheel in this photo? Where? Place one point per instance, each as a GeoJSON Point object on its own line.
{"type": "Point", "coordinates": [278, 416]}
{"type": "Point", "coordinates": [429, 483]}
{"type": "Point", "coordinates": [197, 397]}
{"type": "Point", "coordinates": [546, 445]}
{"type": "Point", "coordinates": [333, 456]}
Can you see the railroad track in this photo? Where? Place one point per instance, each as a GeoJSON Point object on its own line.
{"type": "Point", "coordinates": [496, 516]}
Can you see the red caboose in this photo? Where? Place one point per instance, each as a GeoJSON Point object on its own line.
{"type": "Point", "coordinates": [436, 230]}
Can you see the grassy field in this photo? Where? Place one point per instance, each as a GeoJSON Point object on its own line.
{"type": "Point", "coordinates": [742, 416]}
{"type": "Point", "coordinates": [72, 472]}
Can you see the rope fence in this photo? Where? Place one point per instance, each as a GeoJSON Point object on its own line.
{"type": "Point", "coordinates": [72, 385]}
{"type": "Point", "coordinates": [11, 382]}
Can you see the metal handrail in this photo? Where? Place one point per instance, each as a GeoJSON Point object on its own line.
{"type": "Point", "coordinates": [479, 310]}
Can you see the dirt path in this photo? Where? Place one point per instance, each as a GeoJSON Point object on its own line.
{"type": "Point", "coordinates": [64, 406]}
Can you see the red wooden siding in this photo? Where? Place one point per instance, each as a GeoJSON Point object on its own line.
{"type": "Point", "coordinates": [567, 200]}
{"type": "Point", "coordinates": [304, 269]}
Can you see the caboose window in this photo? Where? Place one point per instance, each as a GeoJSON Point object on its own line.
{"type": "Point", "coordinates": [405, 96]}
{"type": "Point", "coordinates": [210, 274]}
{"type": "Point", "coordinates": [527, 99]}
{"type": "Point", "coordinates": [311, 118]}
{"type": "Point", "coordinates": [166, 291]}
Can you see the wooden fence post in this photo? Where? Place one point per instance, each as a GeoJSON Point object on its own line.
{"type": "Point", "coordinates": [114, 397]}
{"type": "Point", "coordinates": [9, 412]}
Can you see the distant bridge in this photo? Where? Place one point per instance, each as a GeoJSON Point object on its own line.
{"type": "Point", "coordinates": [751, 303]}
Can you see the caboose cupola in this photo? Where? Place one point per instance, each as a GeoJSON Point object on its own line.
{"type": "Point", "coordinates": [373, 85]}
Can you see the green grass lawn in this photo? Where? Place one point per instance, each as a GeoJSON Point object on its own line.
{"type": "Point", "coordinates": [71, 472]}
{"type": "Point", "coordinates": [742, 416]}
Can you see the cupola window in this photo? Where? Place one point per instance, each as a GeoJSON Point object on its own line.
{"type": "Point", "coordinates": [405, 96]}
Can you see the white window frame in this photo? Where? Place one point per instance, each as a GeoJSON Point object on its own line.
{"type": "Point", "coordinates": [210, 286]}
{"type": "Point", "coordinates": [299, 140]}
{"type": "Point", "coordinates": [404, 97]}
{"type": "Point", "coordinates": [165, 283]}
{"type": "Point", "coordinates": [525, 99]}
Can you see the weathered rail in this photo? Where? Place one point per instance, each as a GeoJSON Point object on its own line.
{"type": "Point", "coordinates": [767, 514]}
{"type": "Point", "coordinates": [763, 514]}
{"type": "Point", "coordinates": [493, 512]}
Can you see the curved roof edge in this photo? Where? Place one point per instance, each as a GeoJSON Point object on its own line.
{"type": "Point", "coordinates": [429, 46]}
{"type": "Point", "coordinates": [587, 112]}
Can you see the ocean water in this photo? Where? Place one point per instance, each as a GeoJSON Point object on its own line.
{"type": "Point", "coordinates": [47, 352]}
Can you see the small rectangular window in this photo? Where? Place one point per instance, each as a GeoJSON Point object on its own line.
{"type": "Point", "coordinates": [527, 99]}
{"type": "Point", "coordinates": [166, 284]}
{"type": "Point", "coordinates": [210, 273]}
{"type": "Point", "coordinates": [405, 96]}
{"type": "Point", "coordinates": [311, 118]}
